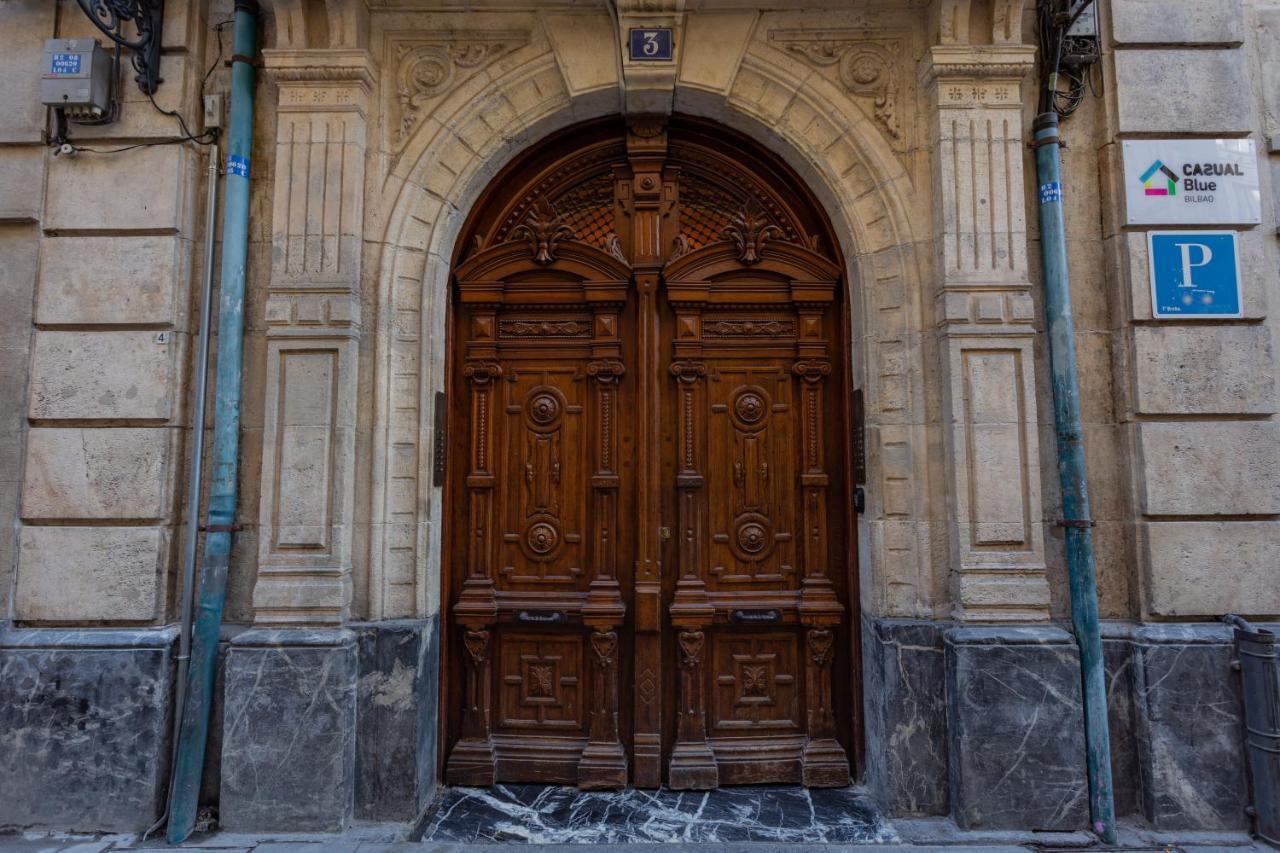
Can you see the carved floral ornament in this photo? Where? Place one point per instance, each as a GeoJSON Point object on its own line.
{"type": "Point", "coordinates": [868, 68]}
{"type": "Point", "coordinates": [543, 229]}
{"type": "Point", "coordinates": [749, 231]}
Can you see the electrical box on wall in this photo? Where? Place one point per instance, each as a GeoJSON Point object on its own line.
{"type": "Point", "coordinates": [76, 76]}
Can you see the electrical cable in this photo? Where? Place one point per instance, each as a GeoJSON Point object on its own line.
{"type": "Point", "coordinates": [208, 137]}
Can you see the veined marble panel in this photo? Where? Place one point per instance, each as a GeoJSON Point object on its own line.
{"type": "Point", "coordinates": [538, 814]}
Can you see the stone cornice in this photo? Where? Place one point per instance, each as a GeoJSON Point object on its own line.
{"type": "Point", "coordinates": [328, 65]}
{"type": "Point", "coordinates": [967, 62]}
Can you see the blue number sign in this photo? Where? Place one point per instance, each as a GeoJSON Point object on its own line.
{"type": "Point", "coordinates": [1195, 274]}
{"type": "Point", "coordinates": [651, 45]}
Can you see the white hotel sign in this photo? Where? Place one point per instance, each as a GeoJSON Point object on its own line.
{"type": "Point", "coordinates": [1191, 182]}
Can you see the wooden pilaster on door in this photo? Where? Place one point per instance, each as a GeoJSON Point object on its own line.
{"type": "Point", "coordinates": [693, 764]}
{"type": "Point", "coordinates": [472, 760]}
{"type": "Point", "coordinates": [604, 762]}
{"type": "Point", "coordinates": [824, 763]}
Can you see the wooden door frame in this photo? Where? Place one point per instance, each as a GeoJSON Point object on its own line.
{"type": "Point", "coordinates": [563, 142]}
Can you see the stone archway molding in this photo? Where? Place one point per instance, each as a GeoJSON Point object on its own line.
{"type": "Point", "coordinates": [818, 128]}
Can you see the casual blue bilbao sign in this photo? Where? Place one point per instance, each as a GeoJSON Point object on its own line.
{"type": "Point", "coordinates": [651, 45]}
{"type": "Point", "coordinates": [1194, 274]}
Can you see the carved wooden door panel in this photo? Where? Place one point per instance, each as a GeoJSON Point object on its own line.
{"type": "Point", "coordinates": [650, 559]}
{"type": "Point", "coordinates": [540, 603]}
{"type": "Point", "coordinates": [759, 603]}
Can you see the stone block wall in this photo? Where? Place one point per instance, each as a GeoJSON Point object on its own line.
{"type": "Point", "coordinates": [103, 426]}
{"type": "Point", "coordinates": [1197, 398]}
{"type": "Point", "coordinates": [97, 253]}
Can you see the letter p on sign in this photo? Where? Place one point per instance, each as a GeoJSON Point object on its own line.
{"type": "Point", "coordinates": [1203, 255]}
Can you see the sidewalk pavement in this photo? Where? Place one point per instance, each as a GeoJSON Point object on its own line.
{"type": "Point", "coordinates": [916, 835]}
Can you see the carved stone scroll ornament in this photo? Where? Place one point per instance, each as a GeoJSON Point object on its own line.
{"type": "Point", "coordinates": [543, 229]}
{"type": "Point", "coordinates": [425, 70]}
{"type": "Point", "coordinates": [867, 69]}
{"type": "Point", "coordinates": [749, 231]}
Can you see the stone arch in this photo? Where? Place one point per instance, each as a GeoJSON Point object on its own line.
{"type": "Point", "coordinates": [811, 122]}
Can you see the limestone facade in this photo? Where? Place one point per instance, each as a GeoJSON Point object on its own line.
{"type": "Point", "coordinates": [379, 125]}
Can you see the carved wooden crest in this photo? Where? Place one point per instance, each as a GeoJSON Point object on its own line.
{"type": "Point", "coordinates": [749, 231]}
{"type": "Point", "coordinates": [691, 647]}
{"type": "Point", "coordinates": [477, 643]}
{"type": "Point", "coordinates": [543, 229]}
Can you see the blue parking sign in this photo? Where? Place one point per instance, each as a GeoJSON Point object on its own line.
{"type": "Point", "coordinates": [1194, 274]}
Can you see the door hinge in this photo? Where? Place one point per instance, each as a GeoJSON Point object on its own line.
{"type": "Point", "coordinates": [440, 442]}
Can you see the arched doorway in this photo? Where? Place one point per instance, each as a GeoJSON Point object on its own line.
{"type": "Point", "coordinates": [649, 571]}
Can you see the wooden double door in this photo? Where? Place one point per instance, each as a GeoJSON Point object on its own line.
{"type": "Point", "coordinates": [650, 545]}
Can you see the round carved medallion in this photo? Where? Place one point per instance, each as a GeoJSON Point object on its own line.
{"type": "Point", "coordinates": [544, 408]}
{"type": "Point", "coordinates": [750, 407]}
{"type": "Point", "coordinates": [542, 538]}
{"type": "Point", "coordinates": [752, 537]}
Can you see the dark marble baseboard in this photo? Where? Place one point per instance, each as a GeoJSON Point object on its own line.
{"type": "Point", "coordinates": [1189, 728]}
{"type": "Point", "coordinates": [289, 731]}
{"type": "Point", "coordinates": [941, 737]}
{"type": "Point", "coordinates": [321, 728]}
{"type": "Point", "coordinates": [84, 727]}
{"type": "Point", "coordinates": [905, 710]}
{"type": "Point", "coordinates": [398, 697]}
{"type": "Point", "coordinates": [1014, 718]}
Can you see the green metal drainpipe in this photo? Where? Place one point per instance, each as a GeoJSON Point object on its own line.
{"type": "Point", "coordinates": [184, 794]}
{"type": "Point", "coordinates": [1076, 521]}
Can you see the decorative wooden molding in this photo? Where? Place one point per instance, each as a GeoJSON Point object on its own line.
{"type": "Point", "coordinates": [543, 329]}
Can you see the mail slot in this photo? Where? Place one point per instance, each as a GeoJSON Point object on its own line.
{"type": "Point", "coordinates": [540, 617]}
{"type": "Point", "coordinates": [756, 617]}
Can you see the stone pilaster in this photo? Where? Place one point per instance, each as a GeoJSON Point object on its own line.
{"type": "Point", "coordinates": [313, 325]}
{"type": "Point", "coordinates": [984, 313]}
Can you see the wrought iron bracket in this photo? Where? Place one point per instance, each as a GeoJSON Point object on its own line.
{"type": "Point", "coordinates": [147, 20]}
